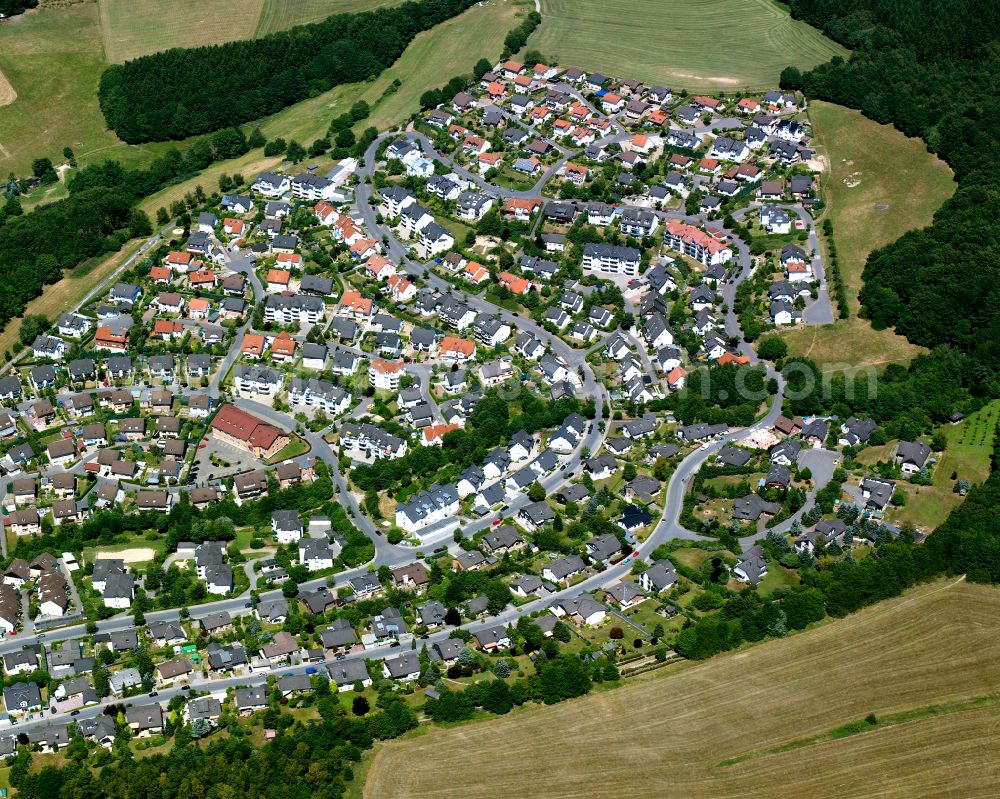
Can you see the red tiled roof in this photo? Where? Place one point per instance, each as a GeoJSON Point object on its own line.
{"type": "Point", "coordinates": [244, 426]}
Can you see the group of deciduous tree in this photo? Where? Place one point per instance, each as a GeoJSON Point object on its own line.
{"type": "Point", "coordinates": [185, 92]}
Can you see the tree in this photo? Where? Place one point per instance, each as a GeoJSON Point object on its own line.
{"type": "Point", "coordinates": [162, 217]}
{"type": "Point", "coordinates": [535, 492]}
{"type": "Point", "coordinates": [320, 146]}
{"type": "Point", "coordinates": [275, 147]}
{"type": "Point", "coordinates": [790, 78]}
{"type": "Point", "coordinates": [256, 139]}
{"type": "Point", "coordinates": [772, 348]}
{"type": "Point", "coordinates": [32, 326]}
{"type": "Point", "coordinates": [661, 469]}
{"type": "Point", "coordinates": [628, 473]}
{"type": "Point", "coordinates": [200, 728]}
{"type": "Point", "coordinates": [430, 99]}
{"type": "Point", "coordinates": [345, 138]}
{"type": "Point", "coordinates": [616, 634]}
{"type": "Point", "coordinates": [450, 706]}
{"type": "Point", "coordinates": [101, 682]}
{"type": "Point", "coordinates": [496, 697]}
{"type": "Point", "coordinates": [229, 143]}
{"type": "Point", "coordinates": [360, 706]}
{"type": "Point", "coordinates": [295, 152]}
{"type": "Point", "coordinates": [42, 168]}
{"type": "Point", "coordinates": [466, 657]}
{"type": "Point", "coordinates": [778, 541]}
{"type": "Point", "coordinates": [501, 669]}
{"type": "Point", "coordinates": [481, 68]}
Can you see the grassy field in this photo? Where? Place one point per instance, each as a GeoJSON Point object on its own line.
{"type": "Point", "coordinates": [53, 59]}
{"type": "Point", "coordinates": [133, 28]}
{"type": "Point", "coordinates": [879, 184]}
{"type": "Point", "coordinates": [279, 15]}
{"type": "Point", "coordinates": [7, 93]}
{"type": "Point", "coordinates": [686, 44]}
{"type": "Point", "coordinates": [922, 663]}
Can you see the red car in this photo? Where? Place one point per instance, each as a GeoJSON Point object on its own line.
{"type": "Point", "coordinates": [496, 522]}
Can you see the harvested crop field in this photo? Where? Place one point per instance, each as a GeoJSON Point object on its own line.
{"type": "Point", "coordinates": [279, 15]}
{"type": "Point", "coordinates": [133, 28]}
{"type": "Point", "coordinates": [771, 717]}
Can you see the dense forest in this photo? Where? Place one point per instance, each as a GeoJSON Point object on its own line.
{"type": "Point", "coordinates": [35, 248]}
{"type": "Point", "coordinates": [8, 8]}
{"type": "Point", "coordinates": [186, 92]}
{"type": "Point", "coordinates": [930, 68]}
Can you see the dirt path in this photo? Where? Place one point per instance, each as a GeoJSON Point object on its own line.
{"type": "Point", "coordinates": [7, 93]}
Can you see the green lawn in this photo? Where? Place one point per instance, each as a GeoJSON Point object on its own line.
{"type": "Point", "coordinates": [686, 44]}
{"type": "Point", "coordinates": [54, 59]}
{"type": "Point", "coordinates": [970, 444]}
{"type": "Point", "coordinates": [878, 184]}
{"type": "Point", "coordinates": [777, 577]}
{"type": "Point", "coordinates": [295, 447]}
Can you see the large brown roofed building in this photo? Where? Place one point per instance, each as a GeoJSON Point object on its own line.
{"type": "Point", "coordinates": [245, 431]}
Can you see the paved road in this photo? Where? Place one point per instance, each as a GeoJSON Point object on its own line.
{"type": "Point", "coordinates": [820, 310]}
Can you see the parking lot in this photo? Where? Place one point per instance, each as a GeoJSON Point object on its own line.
{"type": "Point", "coordinates": [204, 470]}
